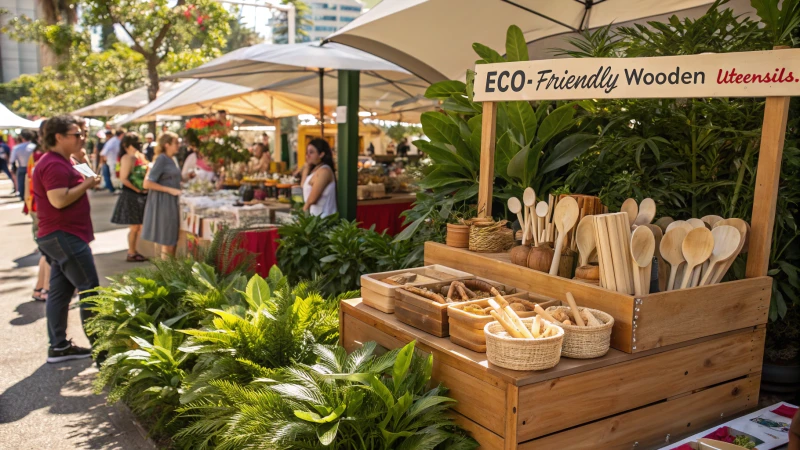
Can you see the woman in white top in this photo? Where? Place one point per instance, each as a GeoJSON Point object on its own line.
{"type": "Point", "coordinates": [195, 166]}
{"type": "Point", "coordinates": [319, 180]}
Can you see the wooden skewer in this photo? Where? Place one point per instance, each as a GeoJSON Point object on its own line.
{"type": "Point", "coordinates": [575, 311]}
{"type": "Point", "coordinates": [508, 327]}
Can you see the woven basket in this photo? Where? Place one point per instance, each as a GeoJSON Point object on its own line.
{"type": "Point", "coordinates": [521, 354]}
{"type": "Point", "coordinates": [586, 342]}
{"type": "Point", "coordinates": [491, 237]}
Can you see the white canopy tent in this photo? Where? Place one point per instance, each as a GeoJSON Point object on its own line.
{"type": "Point", "coordinates": [195, 97]}
{"type": "Point", "coordinates": [310, 70]}
{"type": "Point", "coordinates": [124, 103]}
{"type": "Point", "coordinates": [9, 120]}
{"type": "Point", "coordinates": [433, 38]}
{"type": "Point", "coordinates": [409, 111]}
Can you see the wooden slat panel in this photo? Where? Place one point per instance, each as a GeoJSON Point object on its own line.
{"type": "Point", "coordinates": [470, 392]}
{"type": "Point", "coordinates": [511, 412]}
{"type": "Point", "coordinates": [566, 402]}
{"type": "Point", "coordinates": [486, 439]}
{"type": "Point", "coordinates": [418, 319]}
{"type": "Point", "coordinates": [499, 267]}
{"type": "Point", "coordinates": [676, 316]}
{"type": "Point", "coordinates": [648, 427]}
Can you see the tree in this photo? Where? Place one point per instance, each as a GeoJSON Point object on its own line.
{"type": "Point", "coordinates": [240, 36]}
{"type": "Point", "coordinates": [160, 28]}
{"type": "Point", "coordinates": [303, 23]}
{"type": "Point", "coordinates": [55, 13]}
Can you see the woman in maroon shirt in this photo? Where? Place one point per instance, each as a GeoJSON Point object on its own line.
{"type": "Point", "coordinates": [65, 230]}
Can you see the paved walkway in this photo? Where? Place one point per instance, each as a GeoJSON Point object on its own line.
{"type": "Point", "coordinates": [51, 406]}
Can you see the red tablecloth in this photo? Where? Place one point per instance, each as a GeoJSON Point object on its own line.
{"type": "Point", "coordinates": [383, 216]}
{"type": "Point", "coordinates": [264, 243]}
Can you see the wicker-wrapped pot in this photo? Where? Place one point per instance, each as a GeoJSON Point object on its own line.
{"type": "Point", "coordinates": [586, 342]}
{"type": "Point", "coordinates": [519, 353]}
{"type": "Point", "coordinates": [490, 237]}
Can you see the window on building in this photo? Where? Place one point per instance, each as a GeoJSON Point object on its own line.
{"type": "Point", "coordinates": [332, 18]}
{"type": "Point", "coordinates": [321, 5]}
{"type": "Point", "coordinates": [346, 19]}
{"type": "Point", "coordinates": [324, 28]}
{"type": "Point", "coordinates": [350, 8]}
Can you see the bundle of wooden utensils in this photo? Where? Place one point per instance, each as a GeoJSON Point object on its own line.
{"type": "Point", "coordinates": [699, 251]}
{"type": "Point", "coordinates": [554, 220]}
{"type": "Point", "coordinates": [512, 324]}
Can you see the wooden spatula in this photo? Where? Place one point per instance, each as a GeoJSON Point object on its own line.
{"type": "Point", "coordinates": [662, 267]}
{"type": "Point", "coordinates": [541, 216]}
{"type": "Point", "coordinates": [672, 252]}
{"type": "Point", "coordinates": [515, 207]}
{"type": "Point", "coordinates": [726, 244]}
{"type": "Point", "coordinates": [723, 266]}
{"type": "Point", "coordinates": [584, 236]}
{"type": "Point", "coordinates": [697, 247]}
{"type": "Point", "coordinates": [529, 200]}
{"type": "Point", "coordinates": [643, 244]}
{"type": "Point", "coordinates": [564, 218]}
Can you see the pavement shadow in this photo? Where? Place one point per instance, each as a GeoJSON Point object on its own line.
{"type": "Point", "coordinates": [29, 312]}
{"type": "Point", "coordinates": [29, 260]}
{"type": "Point", "coordinates": [43, 389]}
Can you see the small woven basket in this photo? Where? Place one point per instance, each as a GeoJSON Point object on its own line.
{"type": "Point", "coordinates": [490, 237]}
{"type": "Point", "coordinates": [586, 342]}
{"type": "Point", "coordinates": [522, 354]}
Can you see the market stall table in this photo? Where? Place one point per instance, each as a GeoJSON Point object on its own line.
{"type": "Point", "coordinates": [384, 213]}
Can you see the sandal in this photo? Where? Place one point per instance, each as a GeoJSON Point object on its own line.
{"type": "Point", "coordinates": [141, 258]}
{"type": "Point", "coordinates": [136, 258]}
{"type": "Point", "coordinates": [39, 295]}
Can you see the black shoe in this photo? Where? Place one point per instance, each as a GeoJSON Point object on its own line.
{"type": "Point", "coordinates": [67, 353]}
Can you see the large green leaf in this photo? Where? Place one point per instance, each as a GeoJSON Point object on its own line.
{"type": "Point", "coordinates": [402, 363]}
{"type": "Point", "coordinates": [523, 119]}
{"type": "Point", "coordinates": [557, 121]}
{"type": "Point", "coordinates": [439, 128]}
{"type": "Point", "coordinates": [458, 104]}
{"type": "Point", "coordinates": [488, 55]}
{"type": "Point", "coordinates": [516, 47]}
{"type": "Point", "coordinates": [441, 155]}
{"type": "Point", "coordinates": [444, 89]}
{"type": "Point", "coordinates": [326, 433]}
{"type": "Point", "coordinates": [257, 291]}
{"type": "Point", "coordinates": [567, 150]}
{"type": "Point", "coordinates": [410, 229]}
{"type": "Point", "coordinates": [505, 149]}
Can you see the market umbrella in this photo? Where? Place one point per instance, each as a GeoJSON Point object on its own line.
{"type": "Point", "coordinates": [433, 38]}
{"type": "Point", "coordinates": [195, 97]}
{"type": "Point", "coordinates": [9, 120]}
{"type": "Point", "coordinates": [124, 103]}
{"type": "Point", "coordinates": [302, 69]}
{"type": "Point", "coordinates": [409, 111]}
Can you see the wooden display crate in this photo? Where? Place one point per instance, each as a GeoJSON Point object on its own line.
{"type": "Point", "coordinates": [640, 323]}
{"type": "Point", "coordinates": [618, 401]}
{"type": "Point", "coordinates": [382, 295]}
{"type": "Point", "coordinates": [428, 315]}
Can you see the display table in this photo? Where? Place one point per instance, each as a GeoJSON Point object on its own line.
{"type": "Point", "coordinates": [263, 243]}
{"type": "Point", "coordinates": [384, 213]}
{"type": "Point", "coordinates": [643, 400]}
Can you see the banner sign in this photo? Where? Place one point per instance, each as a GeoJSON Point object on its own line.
{"type": "Point", "coordinates": [746, 74]}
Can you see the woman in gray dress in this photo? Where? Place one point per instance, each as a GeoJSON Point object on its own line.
{"type": "Point", "coordinates": [163, 181]}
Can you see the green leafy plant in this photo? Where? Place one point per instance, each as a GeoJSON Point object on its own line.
{"type": "Point", "coordinates": [344, 401]}
{"type": "Point", "coordinates": [147, 378]}
{"type": "Point", "coordinates": [346, 257]}
{"type": "Point", "coordinates": [302, 245]}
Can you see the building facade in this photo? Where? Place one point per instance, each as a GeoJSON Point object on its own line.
{"type": "Point", "coordinates": [17, 58]}
{"type": "Point", "coordinates": [331, 15]}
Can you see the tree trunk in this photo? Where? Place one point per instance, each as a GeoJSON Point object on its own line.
{"type": "Point", "coordinates": [152, 85]}
{"type": "Point", "coordinates": [52, 12]}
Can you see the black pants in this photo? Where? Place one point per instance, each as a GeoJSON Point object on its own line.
{"type": "Point", "coordinates": [71, 267]}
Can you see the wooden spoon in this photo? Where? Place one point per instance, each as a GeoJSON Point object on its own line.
{"type": "Point", "coordinates": [696, 223]}
{"type": "Point", "coordinates": [541, 215]}
{"type": "Point", "coordinates": [723, 267]}
{"type": "Point", "coordinates": [630, 207]}
{"type": "Point", "coordinates": [564, 218]}
{"type": "Point", "coordinates": [662, 268]}
{"type": "Point", "coordinates": [672, 252]}
{"type": "Point", "coordinates": [711, 219]}
{"type": "Point", "coordinates": [529, 199]}
{"type": "Point", "coordinates": [664, 222]}
{"type": "Point", "coordinates": [584, 237]}
{"type": "Point", "coordinates": [726, 244]}
{"type": "Point", "coordinates": [678, 223]}
{"type": "Point", "coordinates": [647, 212]}
{"type": "Point", "coordinates": [515, 207]}
{"type": "Point", "coordinates": [643, 245]}
{"type": "Point", "coordinates": [697, 247]}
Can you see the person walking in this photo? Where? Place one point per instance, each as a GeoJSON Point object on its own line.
{"type": "Point", "coordinates": [150, 146]}
{"type": "Point", "coordinates": [65, 230]}
{"type": "Point", "coordinates": [163, 181]}
{"type": "Point", "coordinates": [131, 203]}
{"type": "Point", "coordinates": [5, 158]}
{"type": "Point", "coordinates": [19, 156]}
{"type": "Point", "coordinates": [109, 155]}
{"type": "Point", "coordinates": [319, 180]}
